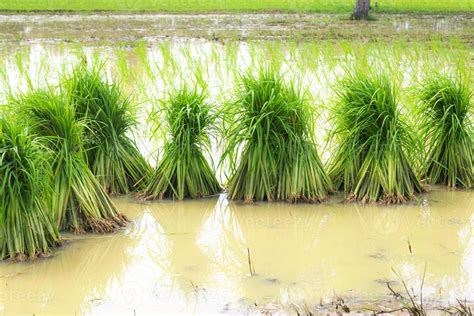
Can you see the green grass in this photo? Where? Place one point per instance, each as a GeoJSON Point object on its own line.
{"type": "Point", "coordinates": [271, 144]}
{"type": "Point", "coordinates": [183, 171]}
{"type": "Point", "coordinates": [447, 129]}
{"type": "Point", "coordinates": [27, 229]}
{"type": "Point", "coordinates": [79, 202]}
{"type": "Point", "coordinates": [112, 154]}
{"type": "Point", "coordinates": [334, 6]}
{"type": "Point", "coordinates": [373, 160]}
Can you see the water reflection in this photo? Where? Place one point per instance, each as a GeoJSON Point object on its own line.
{"type": "Point", "coordinates": [192, 257]}
{"type": "Point", "coordinates": [74, 280]}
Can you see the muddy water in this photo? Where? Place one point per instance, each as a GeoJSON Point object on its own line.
{"type": "Point", "coordinates": [192, 257]}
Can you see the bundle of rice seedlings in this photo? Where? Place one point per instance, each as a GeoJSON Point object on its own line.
{"type": "Point", "coordinates": [183, 171]}
{"type": "Point", "coordinates": [375, 154]}
{"type": "Point", "coordinates": [447, 129]}
{"type": "Point", "coordinates": [27, 229]}
{"type": "Point", "coordinates": [79, 203]}
{"type": "Point", "coordinates": [271, 143]}
{"type": "Point", "coordinates": [112, 154]}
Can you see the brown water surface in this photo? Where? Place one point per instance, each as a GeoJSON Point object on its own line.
{"type": "Point", "coordinates": [192, 256]}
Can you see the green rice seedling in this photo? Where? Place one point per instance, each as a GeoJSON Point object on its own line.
{"type": "Point", "coordinates": [79, 202]}
{"type": "Point", "coordinates": [27, 229]}
{"type": "Point", "coordinates": [183, 171]}
{"type": "Point", "coordinates": [375, 153]}
{"type": "Point", "coordinates": [447, 130]}
{"type": "Point", "coordinates": [112, 154]}
{"type": "Point", "coordinates": [271, 143]}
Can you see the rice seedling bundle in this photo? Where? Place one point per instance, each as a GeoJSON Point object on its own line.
{"type": "Point", "coordinates": [447, 129]}
{"type": "Point", "coordinates": [27, 229]}
{"type": "Point", "coordinates": [271, 143]}
{"type": "Point", "coordinates": [183, 171]}
{"type": "Point", "coordinates": [375, 154]}
{"type": "Point", "coordinates": [79, 202]}
{"type": "Point", "coordinates": [112, 154]}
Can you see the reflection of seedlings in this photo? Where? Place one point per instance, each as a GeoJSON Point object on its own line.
{"type": "Point", "coordinates": [251, 267]}
{"type": "Point", "coordinates": [409, 246]}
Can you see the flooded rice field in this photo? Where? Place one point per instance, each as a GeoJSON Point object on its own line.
{"type": "Point", "coordinates": [149, 70]}
{"type": "Point", "coordinates": [193, 257]}
{"type": "Point", "coordinates": [218, 256]}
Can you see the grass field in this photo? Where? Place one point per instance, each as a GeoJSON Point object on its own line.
{"type": "Point", "coordinates": [328, 6]}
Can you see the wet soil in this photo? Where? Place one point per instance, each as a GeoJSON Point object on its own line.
{"type": "Point", "coordinates": [129, 28]}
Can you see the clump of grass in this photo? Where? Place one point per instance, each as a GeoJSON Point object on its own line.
{"type": "Point", "coordinates": [79, 202]}
{"type": "Point", "coordinates": [448, 132]}
{"type": "Point", "coordinates": [112, 154]}
{"type": "Point", "coordinates": [373, 160]}
{"type": "Point", "coordinates": [27, 229]}
{"type": "Point", "coordinates": [462, 308]}
{"type": "Point", "coordinates": [409, 303]}
{"type": "Point", "coordinates": [183, 171]}
{"type": "Point", "coordinates": [271, 143]}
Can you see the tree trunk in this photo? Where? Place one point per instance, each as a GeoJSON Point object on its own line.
{"type": "Point", "coordinates": [361, 10]}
